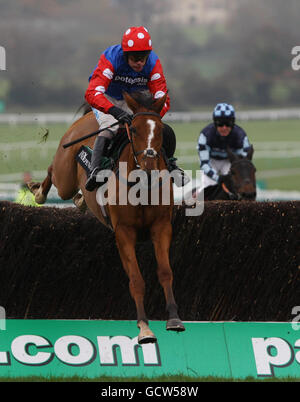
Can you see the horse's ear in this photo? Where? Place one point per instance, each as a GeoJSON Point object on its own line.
{"type": "Point", "coordinates": [250, 153]}
{"type": "Point", "coordinates": [132, 103]}
{"type": "Point", "coordinates": [232, 157]}
{"type": "Point", "coordinates": [159, 104]}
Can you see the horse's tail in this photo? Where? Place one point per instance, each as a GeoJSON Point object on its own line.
{"type": "Point", "coordinates": [85, 107]}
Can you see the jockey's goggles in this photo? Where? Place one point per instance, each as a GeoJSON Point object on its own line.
{"type": "Point", "coordinates": [227, 123]}
{"type": "Point", "coordinates": [138, 56]}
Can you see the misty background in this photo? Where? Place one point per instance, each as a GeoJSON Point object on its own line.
{"type": "Point", "coordinates": [237, 51]}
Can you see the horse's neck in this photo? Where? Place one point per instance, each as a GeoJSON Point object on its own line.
{"type": "Point", "coordinates": [127, 156]}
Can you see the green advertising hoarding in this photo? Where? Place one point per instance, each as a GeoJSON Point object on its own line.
{"type": "Point", "coordinates": [92, 348]}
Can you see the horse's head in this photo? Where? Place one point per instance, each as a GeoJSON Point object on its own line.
{"type": "Point", "coordinates": [146, 129]}
{"type": "Point", "coordinates": [242, 174]}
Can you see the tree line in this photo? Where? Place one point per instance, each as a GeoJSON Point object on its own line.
{"type": "Point", "coordinates": [246, 60]}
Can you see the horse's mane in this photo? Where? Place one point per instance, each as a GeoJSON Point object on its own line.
{"type": "Point", "coordinates": [85, 107]}
{"type": "Point", "coordinates": [143, 98]}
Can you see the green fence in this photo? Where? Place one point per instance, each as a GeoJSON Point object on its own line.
{"type": "Point", "coordinates": [91, 348]}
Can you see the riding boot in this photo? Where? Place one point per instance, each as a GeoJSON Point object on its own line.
{"type": "Point", "coordinates": [179, 175]}
{"type": "Point", "coordinates": [99, 151]}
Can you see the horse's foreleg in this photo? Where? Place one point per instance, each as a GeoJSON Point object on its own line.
{"type": "Point", "coordinates": [126, 240]}
{"type": "Point", "coordinates": [161, 238]}
{"type": "Point", "coordinates": [41, 190]}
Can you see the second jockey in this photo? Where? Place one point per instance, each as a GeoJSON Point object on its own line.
{"type": "Point", "coordinates": [214, 140]}
{"type": "Point", "coordinates": [131, 66]}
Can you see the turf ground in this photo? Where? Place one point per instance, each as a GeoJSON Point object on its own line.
{"type": "Point", "coordinates": [276, 144]}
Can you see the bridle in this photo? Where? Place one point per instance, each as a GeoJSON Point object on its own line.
{"type": "Point", "coordinates": [148, 152]}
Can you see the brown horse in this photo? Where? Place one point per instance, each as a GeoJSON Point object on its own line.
{"type": "Point", "coordinates": [128, 221]}
{"type": "Point", "coordinates": [239, 184]}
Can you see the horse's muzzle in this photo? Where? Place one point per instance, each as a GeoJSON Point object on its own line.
{"type": "Point", "coordinates": [150, 153]}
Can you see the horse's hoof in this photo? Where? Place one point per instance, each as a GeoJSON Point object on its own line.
{"type": "Point", "coordinates": [143, 339]}
{"type": "Point", "coordinates": [40, 199]}
{"type": "Point", "coordinates": [36, 189]}
{"type": "Point", "coordinates": [80, 203]}
{"type": "Point", "coordinates": [175, 324]}
{"type": "Point", "coordinates": [145, 335]}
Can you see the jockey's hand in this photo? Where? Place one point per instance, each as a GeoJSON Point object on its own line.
{"type": "Point", "coordinates": [222, 178]}
{"type": "Point", "coordinates": [119, 114]}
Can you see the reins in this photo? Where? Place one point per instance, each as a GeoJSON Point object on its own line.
{"type": "Point", "coordinates": [232, 196]}
{"type": "Point", "coordinates": [69, 144]}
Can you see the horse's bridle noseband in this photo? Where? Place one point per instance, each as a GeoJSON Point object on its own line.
{"type": "Point", "coordinates": [147, 153]}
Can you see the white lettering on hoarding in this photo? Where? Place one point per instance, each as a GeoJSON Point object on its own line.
{"type": "Point", "coordinates": [128, 347]}
{"type": "Point", "coordinates": [63, 350]}
{"type": "Point", "coordinates": [273, 352]}
{"type": "Point", "coordinates": [74, 350]}
{"type": "Point", "coordinates": [20, 348]}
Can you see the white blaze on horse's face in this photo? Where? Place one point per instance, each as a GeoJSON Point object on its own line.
{"type": "Point", "coordinates": [151, 134]}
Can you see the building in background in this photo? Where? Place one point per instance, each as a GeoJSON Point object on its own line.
{"type": "Point", "coordinates": [197, 11]}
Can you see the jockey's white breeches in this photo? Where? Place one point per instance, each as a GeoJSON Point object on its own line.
{"type": "Point", "coordinates": [106, 120]}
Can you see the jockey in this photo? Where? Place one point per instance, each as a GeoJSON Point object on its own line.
{"type": "Point", "coordinates": [214, 140]}
{"type": "Point", "coordinates": [128, 67]}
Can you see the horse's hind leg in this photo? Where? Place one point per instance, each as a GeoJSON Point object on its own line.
{"type": "Point", "coordinates": [41, 190]}
{"type": "Point", "coordinates": [126, 240]}
{"type": "Point", "coordinates": [161, 238]}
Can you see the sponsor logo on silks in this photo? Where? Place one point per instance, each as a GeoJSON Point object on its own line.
{"type": "Point", "coordinates": [130, 80]}
{"type": "Point", "coordinates": [74, 350]}
{"type": "Point", "coordinates": [274, 352]}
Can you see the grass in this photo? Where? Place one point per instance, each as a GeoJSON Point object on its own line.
{"type": "Point", "coordinates": [258, 132]}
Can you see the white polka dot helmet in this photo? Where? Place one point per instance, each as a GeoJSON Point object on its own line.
{"type": "Point", "coordinates": [136, 39]}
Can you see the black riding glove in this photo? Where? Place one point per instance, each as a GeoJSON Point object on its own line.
{"type": "Point", "coordinates": [222, 178]}
{"type": "Point", "coordinates": [119, 114]}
